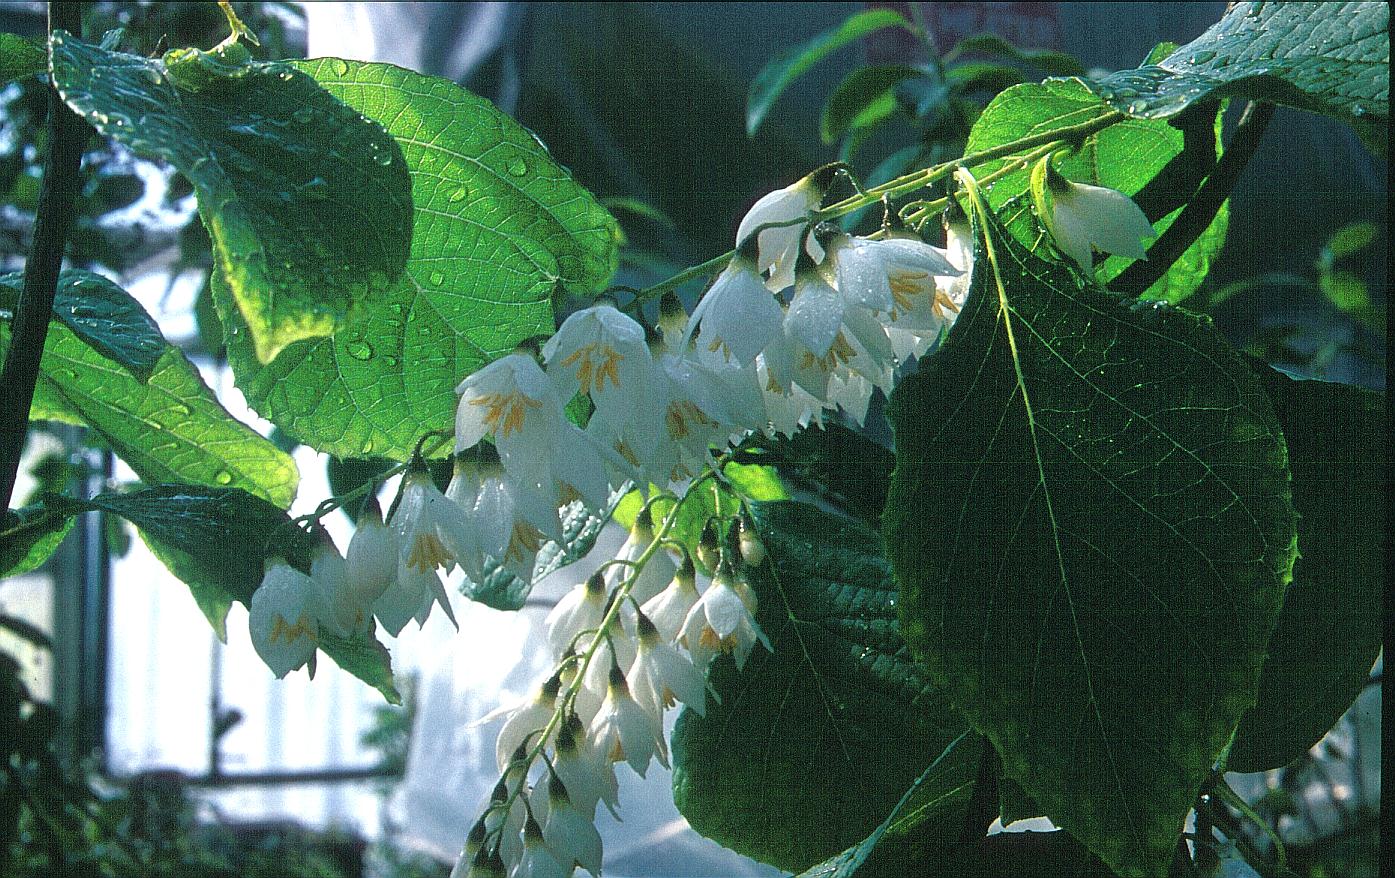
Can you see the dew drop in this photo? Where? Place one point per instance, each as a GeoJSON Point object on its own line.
{"type": "Point", "coordinates": [458, 194]}
{"type": "Point", "coordinates": [437, 278]}
{"type": "Point", "coordinates": [517, 166]}
{"type": "Point", "coordinates": [391, 361]}
{"type": "Point", "coordinates": [368, 447]}
{"type": "Point", "coordinates": [359, 349]}
{"type": "Point", "coordinates": [180, 409]}
{"type": "Point", "coordinates": [223, 477]}
{"type": "Point", "coordinates": [341, 67]}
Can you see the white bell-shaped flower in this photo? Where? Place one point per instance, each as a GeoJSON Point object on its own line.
{"type": "Point", "coordinates": [588, 775]}
{"type": "Point", "coordinates": [624, 732]}
{"type": "Point", "coordinates": [660, 676]}
{"type": "Point", "coordinates": [411, 596]}
{"type": "Point", "coordinates": [658, 569]}
{"type": "Point", "coordinates": [617, 650]}
{"type": "Point", "coordinates": [778, 248]}
{"type": "Point", "coordinates": [370, 563]}
{"type": "Point", "coordinates": [721, 622]}
{"type": "Point", "coordinates": [669, 608]}
{"type": "Point", "coordinates": [571, 834]}
{"type": "Point", "coordinates": [738, 316]}
{"type": "Point", "coordinates": [579, 610]}
{"type": "Point", "coordinates": [524, 721]}
{"type": "Point", "coordinates": [334, 612]}
{"type": "Point", "coordinates": [538, 859]}
{"type": "Point", "coordinates": [282, 617]}
{"type": "Point", "coordinates": [431, 529]}
{"type": "Point", "coordinates": [508, 823]}
{"type": "Point", "coordinates": [708, 403]}
{"type": "Point", "coordinates": [512, 520]}
{"type": "Point", "coordinates": [789, 407]}
{"type": "Point", "coordinates": [824, 335]}
{"type": "Point", "coordinates": [1081, 217]}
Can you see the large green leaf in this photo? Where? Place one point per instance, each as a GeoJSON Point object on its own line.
{"type": "Point", "coordinates": [1328, 635]}
{"type": "Point", "coordinates": [499, 226]}
{"type": "Point", "coordinates": [308, 204]}
{"type": "Point", "coordinates": [217, 540]}
{"type": "Point", "coordinates": [792, 63]}
{"type": "Point", "coordinates": [839, 465]}
{"type": "Point", "coordinates": [863, 98]}
{"type": "Point", "coordinates": [1159, 163]}
{"type": "Point", "coordinates": [812, 745]}
{"type": "Point", "coordinates": [104, 316]}
{"type": "Point", "coordinates": [169, 428]}
{"type": "Point", "coordinates": [1091, 525]}
{"type": "Point", "coordinates": [1331, 58]}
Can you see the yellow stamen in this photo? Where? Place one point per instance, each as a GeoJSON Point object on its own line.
{"type": "Point", "coordinates": [680, 414]}
{"type": "Point", "coordinates": [523, 541]}
{"type": "Point", "coordinates": [428, 553]}
{"type": "Point", "coordinates": [291, 633]}
{"type": "Point", "coordinates": [943, 301]}
{"type": "Point", "coordinates": [595, 362]}
{"type": "Point", "coordinates": [506, 411]}
{"type": "Point", "coordinates": [838, 352]}
{"type": "Point", "coordinates": [906, 285]}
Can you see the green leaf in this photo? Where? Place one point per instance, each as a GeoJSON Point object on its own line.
{"type": "Point", "coordinates": [862, 99]}
{"type": "Point", "coordinates": [792, 63]}
{"type": "Point", "coordinates": [217, 540]}
{"type": "Point", "coordinates": [1348, 240]}
{"type": "Point", "coordinates": [499, 226]}
{"type": "Point", "coordinates": [870, 856]}
{"type": "Point", "coordinates": [29, 537]}
{"type": "Point", "coordinates": [1331, 58]}
{"type": "Point", "coordinates": [1091, 525]}
{"type": "Point", "coordinates": [169, 428]}
{"type": "Point", "coordinates": [1328, 635]}
{"type": "Point", "coordinates": [105, 317]}
{"type": "Point", "coordinates": [1046, 60]}
{"type": "Point", "coordinates": [1159, 163]}
{"type": "Point", "coordinates": [307, 204]}
{"type": "Point", "coordinates": [20, 57]}
{"type": "Point", "coordinates": [811, 746]}
{"type": "Point", "coordinates": [983, 75]}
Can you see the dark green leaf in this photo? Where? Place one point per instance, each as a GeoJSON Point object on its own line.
{"type": "Point", "coordinates": [502, 590]}
{"type": "Point", "coordinates": [105, 317]}
{"type": "Point", "coordinates": [170, 428]}
{"type": "Point", "coordinates": [29, 537]}
{"type": "Point", "coordinates": [1046, 60]}
{"type": "Point", "coordinates": [1091, 525]}
{"type": "Point", "coordinates": [1328, 635]}
{"type": "Point", "coordinates": [1348, 240]}
{"type": "Point", "coordinates": [792, 63]}
{"type": "Point", "coordinates": [812, 745]}
{"type": "Point", "coordinates": [217, 540]}
{"type": "Point", "coordinates": [351, 474]}
{"type": "Point", "coordinates": [983, 75]}
{"type": "Point", "coordinates": [307, 203]}
{"type": "Point", "coordinates": [871, 856]}
{"type": "Point", "coordinates": [1331, 58]}
{"type": "Point", "coordinates": [863, 98]}
{"type": "Point", "coordinates": [841, 465]}
{"type": "Point", "coordinates": [1013, 802]}
{"type": "Point", "coordinates": [20, 57]}
{"type": "Point", "coordinates": [499, 226]}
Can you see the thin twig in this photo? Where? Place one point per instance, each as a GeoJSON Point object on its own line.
{"type": "Point", "coordinates": [53, 220]}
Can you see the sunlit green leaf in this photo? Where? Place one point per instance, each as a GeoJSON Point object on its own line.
{"type": "Point", "coordinates": [1090, 502]}
{"type": "Point", "coordinates": [307, 203]}
{"type": "Point", "coordinates": [20, 57]}
{"type": "Point", "coordinates": [1046, 60]}
{"type": "Point", "coordinates": [863, 98]}
{"type": "Point", "coordinates": [499, 226]}
{"type": "Point", "coordinates": [1331, 58]}
{"type": "Point", "coordinates": [28, 537]}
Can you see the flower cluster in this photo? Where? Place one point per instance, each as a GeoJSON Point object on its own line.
{"type": "Point", "coordinates": [631, 641]}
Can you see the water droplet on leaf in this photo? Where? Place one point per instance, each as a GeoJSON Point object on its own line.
{"type": "Point", "coordinates": [437, 278]}
{"type": "Point", "coordinates": [341, 67]}
{"type": "Point", "coordinates": [359, 349]}
{"type": "Point", "coordinates": [458, 194]}
{"type": "Point", "coordinates": [223, 477]}
{"type": "Point", "coordinates": [517, 166]}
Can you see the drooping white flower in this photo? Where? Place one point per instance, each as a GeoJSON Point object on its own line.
{"type": "Point", "coordinates": [571, 834]}
{"type": "Point", "coordinates": [789, 407]}
{"type": "Point", "coordinates": [508, 823]}
{"type": "Point", "coordinates": [538, 860]}
{"type": "Point", "coordinates": [589, 777]}
{"type": "Point", "coordinates": [616, 651]}
{"type": "Point", "coordinates": [738, 315]}
{"type": "Point", "coordinates": [749, 542]}
{"type": "Point", "coordinates": [580, 609]}
{"type": "Point", "coordinates": [669, 608]}
{"type": "Point", "coordinates": [604, 354]}
{"type": "Point", "coordinates": [524, 721]}
{"type": "Point", "coordinates": [1081, 216]}
{"type": "Point", "coordinates": [708, 403]}
{"type": "Point", "coordinates": [624, 731]}
{"type": "Point", "coordinates": [370, 563]}
{"type": "Point", "coordinates": [778, 248]}
{"type": "Point", "coordinates": [721, 622]}
{"type": "Point", "coordinates": [659, 675]}
{"type": "Point", "coordinates": [411, 596]}
{"type": "Point", "coordinates": [282, 617]}
{"type": "Point", "coordinates": [824, 335]}
{"type": "Point", "coordinates": [657, 571]}
{"type": "Point", "coordinates": [512, 519]}
{"type": "Point", "coordinates": [332, 610]}
{"type": "Point", "coordinates": [431, 529]}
